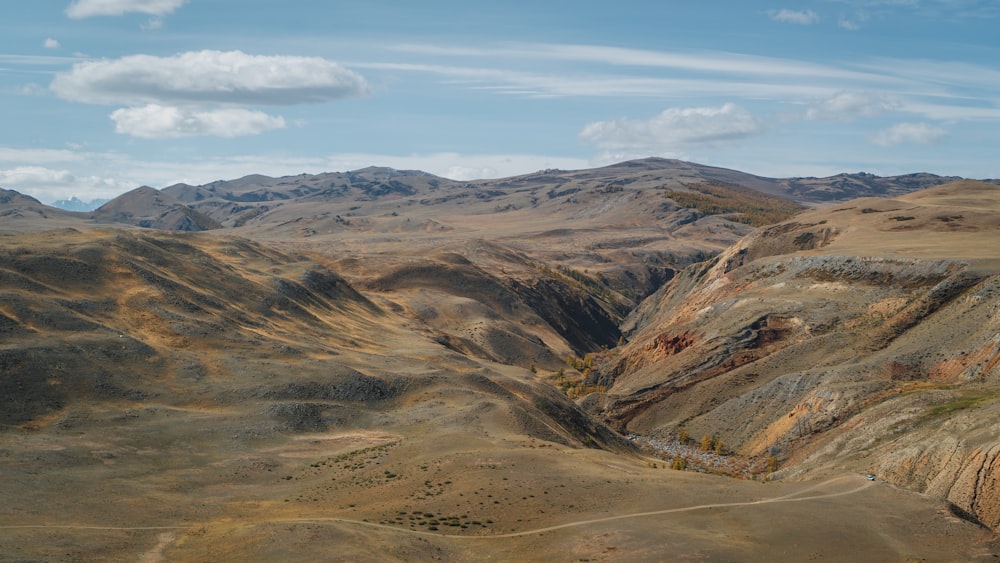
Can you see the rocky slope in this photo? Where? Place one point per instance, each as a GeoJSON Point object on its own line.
{"type": "Point", "coordinates": [150, 208]}
{"type": "Point", "coordinates": [374, 365]}
{"type": "Point", "coordinates": [20, 213]}
{"type": "Point", "coordinates": [96, 317]}
{"type": "Point", "coordinates": [864, 337]}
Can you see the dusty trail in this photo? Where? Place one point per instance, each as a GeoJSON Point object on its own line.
{"type": "Point", "coordinates": [791, 497]}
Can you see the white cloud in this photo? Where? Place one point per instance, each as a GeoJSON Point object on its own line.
{"type": "Point", "coordinates": [89, 8]}
{"type": "Point", "coordinates": [952, 10]}
{"type": "Point", "coordinates": [951, 112]}
{"type": "Point", "coordinates": [852, 23]}
{"type": "Point", "coordinates": [48, 184]}
{"type": "Point", "coordinates": [36, 60]}
{"type": "Point", "coordinates": [673, 128]}
{"type": "Point", "coordinates": [31, 175]}
{"type": "Point", "coordinates": [51, 43]}
{"type": "Point", "coordinates": [701, 62]}
{"type": "Point", "coordinates": [558, 84]}
{"type": "Point", "coordinates": [840, 91]}
{"type": "Point", "coordinates": [193, 94]}
{"type": "Point", "coordinates": [213, 77]}
{"type": "Point", "coordinates": [913, 133]}
{"type": "Point", "coordinates": [38, 156]}
{"type": "Point", "coordinates": [800, 17]}
{"type": "Point", "coordinates": [165, 122]}
{"type": "Point", "coordinates": [848, 106]}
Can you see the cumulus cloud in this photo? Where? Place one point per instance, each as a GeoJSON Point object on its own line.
{"type": "Point", "coordinates": [33, 175]}
{"type": "Point", "coordinates": [800, 17]}
{"type": "Point", "coordinates": [848, 106]}
{"type": "Point", "coordinates": [220, 77]}
{"type": "Point", "coordinates": [164, 122]}
{"type": "Point", "coordinates": [912, 133]}
{"type": "Point", "coordinates": [674, 127]}
{"type": "Point", "coordinates": [51, 43]}
{"type": "Point", "coordinates": [51, 184]}
{"type": "Point", "coordinates": [199, 93]}
{"type": "Point", "coordinates": [80, 9]}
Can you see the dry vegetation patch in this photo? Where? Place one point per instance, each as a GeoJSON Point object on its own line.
{"type": "Point", "coordinates": [737, 203]}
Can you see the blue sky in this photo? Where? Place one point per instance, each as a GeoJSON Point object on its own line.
{"type": "Point", "coordinates": [101, 96]}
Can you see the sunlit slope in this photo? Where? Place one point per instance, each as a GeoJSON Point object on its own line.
{"type": "Point", "coordinates": [865, 336]}
{"type": "Point", "coordinates": [200, 397]}
{"type": "Point", "coordinates": [191, 320]}
{"type": "Point", "coordinates": [21, 214]}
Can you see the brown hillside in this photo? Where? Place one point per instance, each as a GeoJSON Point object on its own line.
{"type": "Point", "coordinates": [385, 365]}
{"type": "Point", "coordinates": [20, 214]}
{"type": "Point", "coordinates": [152, 209]}
{"type": "Point", "coordinates": [862, 337]}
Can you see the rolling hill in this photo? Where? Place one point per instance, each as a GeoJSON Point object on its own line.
{"type": "Point", "coordinates": [862, 337]}
{"type": "Point", "coordinates": [388, 365]}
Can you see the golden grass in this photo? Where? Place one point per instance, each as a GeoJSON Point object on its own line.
{"type": "Point", "coordinates": [743, 205]}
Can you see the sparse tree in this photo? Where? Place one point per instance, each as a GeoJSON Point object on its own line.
{"type": "Point", "coordinates": [706, 443]}
{"type": "Point", "coordinates": [772, 463]}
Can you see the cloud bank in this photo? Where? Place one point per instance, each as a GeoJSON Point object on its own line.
{"type": "Point", "coordinates": [50, 184]}
{"type": "Point", "coordinates": [204, 92]}
{"type": "Point", "coordinates": [165, 122]}
{"type": "Point", "coordinates": [909, 133]}
{"type": "Point", "coordinates": [673, 128]}
{"type": "Point", "coordinates": [89, 8]}
{"type": "Point", "coordinates": [849, 106]}
{"type": "Point", "coordinates": [218, 77]}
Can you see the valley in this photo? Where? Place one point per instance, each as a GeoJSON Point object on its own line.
{"type": "Point", "coordinates": [387, 365]}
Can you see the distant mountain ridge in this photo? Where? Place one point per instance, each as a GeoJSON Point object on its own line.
{"type": "Point", "coordinates": [381, 181]}
{"type": "Point", "coordinates": [76, 204]}
{"type": "Point", "coordinates": [245, 200]}
{"type": "Point", "coordinates": [254, 199]}
{"type": "Point", "coordinates": [20, 213]}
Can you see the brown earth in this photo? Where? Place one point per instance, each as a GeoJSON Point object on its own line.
{"type": "Point", "coordinates": [383, 383]}
{"type": "Point", "coordinates": [862, 337]}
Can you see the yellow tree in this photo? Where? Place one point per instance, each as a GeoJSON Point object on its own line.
{"type": "Point", "coordinates": [682, 435]}
{"type": "Point", "coordinates": [706, 443]}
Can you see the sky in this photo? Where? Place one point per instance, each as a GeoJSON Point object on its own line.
{"type": "Point", "coordinates": [98, 97]}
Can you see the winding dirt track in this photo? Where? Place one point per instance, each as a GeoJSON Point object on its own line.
{"type": "Point", "coordinates": [792, 497]}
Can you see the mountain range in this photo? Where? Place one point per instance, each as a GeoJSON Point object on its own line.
{"type": "Point", "coordinates": [655, 358]}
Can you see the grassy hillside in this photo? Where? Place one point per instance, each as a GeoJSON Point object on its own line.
{"type": "Point", "coordinates": [737, 203]}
